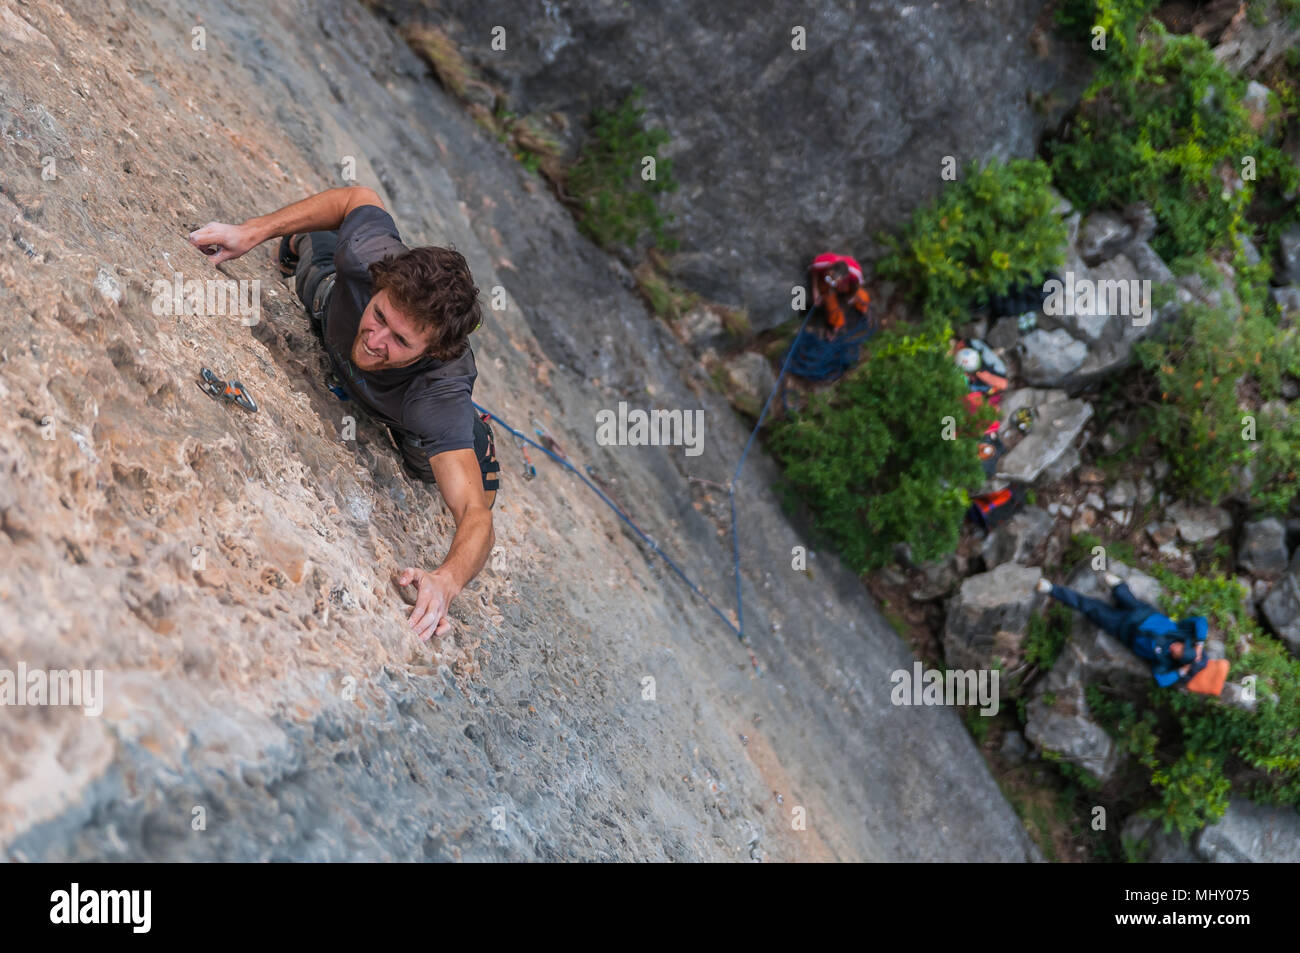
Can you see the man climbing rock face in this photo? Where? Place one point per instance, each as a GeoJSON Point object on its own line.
{"type": "Point", "coordinates": [395, 323]}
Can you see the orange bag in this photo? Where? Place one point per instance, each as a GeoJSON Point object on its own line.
{"type": "Point", "coordinates": [1209, 680]}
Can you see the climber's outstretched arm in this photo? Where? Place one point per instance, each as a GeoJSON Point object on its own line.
{"type": "Point", "coordinates": [323, 212]}
{"type": "Point", "coordinates": [460, 481]}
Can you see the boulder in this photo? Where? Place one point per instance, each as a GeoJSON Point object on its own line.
{"type": "Point", "coordinates": [1287, 299]}
{"type": "Point", "coordinates": [1263, 547]}
{"type": "Point", "coordinates": [1058, 425]}
{"type": "Point", "coordinates": [1248, 47]}
{"type": "Point", "coordinates": [1282, 610]}
{"type": "Point", "coordinates": [1004, 333]}
{"type": "Point", "coordinates": [1196, 524]}
{"type": "Point", "coordinates": [989, 616]}
{"type": "Point", "coordinates": [1288, 246]}
{"type": "Point", "coordinates": [1123, 493]}
{"type": "Point", "coordinates": [1143, 219]}
{"type": "Point", "coordinates": [749, 381]}
{"type": "Point", "coordinates": [1101, 236]}
{"type": "Point", "coordinates": [1017, 538]}
{"type": "Point", "coordinates": [1061, 467]}
{"type": "Point", "coordinates": [1048, 357]}
{"type": "Point", "coordinates": [1014, 748]}
{"type": "Point", "coordinates": [1154, 845]}
{"type": "Point", "coordinates": [1250, 833]}
{"type": "Point", "coordinates": [937, 580]}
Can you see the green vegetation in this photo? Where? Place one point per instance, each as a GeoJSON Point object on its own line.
{"type": "Point", "coordinates": [1210, 378]}
{"type": "Point", "coordinates": [993, 230]}
{"type": "Point", "coordinates": [665, 298]}
{"type": "Point", "coordinates": [868, 459]}
{"type": "Point", "coordinates": [1162, 123]}
{"type": "Point", "coordinates": [1196, 750]}
{"type": "Point", "coordinates": [1119, 18]}
{"type": "Point", "coordinates": [1047, 634]}
{"type": "Point", "coordinates": [616, 203]}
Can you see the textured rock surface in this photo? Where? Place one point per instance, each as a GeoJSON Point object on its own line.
{"type": "Point", "coordinates": [276, 687]}
{"type": "Point", "coordinates": [1055, 430]}
{"type": "Point", "coordinates": [989, 616]}
{"type": "Point", "coordinates": [837, 142]}
{"type": "Point", "coordinates": [1263, 547]}
{"type": "Point", "coordinates": [1252, 833]}
{"type": "Point", "coordinates": [1018, 538]}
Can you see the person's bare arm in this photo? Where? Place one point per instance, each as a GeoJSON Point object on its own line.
{"type": "Point", "coordinates": [460, 481]}
{"type": "Point", "coordinates": [322, 212]}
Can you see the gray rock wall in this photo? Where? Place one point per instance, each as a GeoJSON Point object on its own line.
{"type": "Point", "coordinates": [784, 154]}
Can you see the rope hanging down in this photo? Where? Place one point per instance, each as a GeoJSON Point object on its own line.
{"type": "Point", "coordinates": [731, 492]}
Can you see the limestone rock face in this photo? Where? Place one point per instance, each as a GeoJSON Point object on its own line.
{"type": "Point", "coordinates": [228, 572]}
{"type": "Point", "coordinates": [781, 153]}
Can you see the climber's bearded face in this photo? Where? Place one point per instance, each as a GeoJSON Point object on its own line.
{"type": "Point", "coordinates": [386, 338]}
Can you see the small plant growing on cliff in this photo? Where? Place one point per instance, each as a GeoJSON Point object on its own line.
{"type": "Point", "coordinates": [1215, 385]}
{"type": "Point", "coordinates": [870, 460]}
{"type": "Point", "coordinates": [1163, 124]}
{"type": "Point", "coordinates": [992, 230]}
{"type": "Point", "coordinates": [615, 189]}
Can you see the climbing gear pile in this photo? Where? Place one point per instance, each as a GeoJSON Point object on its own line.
{"type": "Point", "coordinates": [233, 391]}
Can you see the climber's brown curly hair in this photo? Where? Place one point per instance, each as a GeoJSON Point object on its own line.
{"type": "Point", "coordinates": [434, 287]}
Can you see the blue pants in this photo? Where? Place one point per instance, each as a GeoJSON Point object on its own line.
{"type": "Point", "coordinates": [1119, 622]}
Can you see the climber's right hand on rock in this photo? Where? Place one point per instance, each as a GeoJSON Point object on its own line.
{"type": "Point", "coordinates": [220, 242]}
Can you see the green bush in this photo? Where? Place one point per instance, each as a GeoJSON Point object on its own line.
{"type": "Point", "coordinates": [1046, 635]}
{"type": "Point", "coordinates": [1162, 123]}
{"type": "Point", "coordinates": [1198, 749]}
{"type": "Point", "coordinates": [1209, 376]}
{"type": "Point", "coordinates": [1121, 19]}
{"type": "Point", "coordinates": [992, 230]}
{"type": "Point", "coordinates": [616, 205]}
{"type": "Point", "coordinates": [869, 459]}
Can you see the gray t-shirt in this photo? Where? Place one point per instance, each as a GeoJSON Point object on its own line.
{"type": "Point", "coordinates": [428, 402]}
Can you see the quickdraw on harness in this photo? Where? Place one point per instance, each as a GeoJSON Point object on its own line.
{"type": "Point", "coordinates": [233, 391]}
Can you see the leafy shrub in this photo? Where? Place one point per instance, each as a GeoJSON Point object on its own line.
{"type": "Point", "coordinates": [1121, 20]}
{"type": "Point", "coordinates": [1210, 376]}
{"type": "Point", "coordinates": [869, 459]}
{"type": "Point", "coordinates": [1046, 635]}
{"type": "Point", "coordinates": [616, 205]}
{"type": "Point", "coordinates": [1206, 747]}
{"type": "Point", "coordinates": [992, 230]}
{"type": "Point", "coordinates": [1162, 123]}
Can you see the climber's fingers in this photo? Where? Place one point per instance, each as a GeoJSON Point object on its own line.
{"type": "Point", "coordinates": [429, 617]}
{"type": "Point", "coordinates": [220, 242]}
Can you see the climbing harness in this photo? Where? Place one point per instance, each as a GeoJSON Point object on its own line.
{"type": "Point", "coordinates": [233, 391]}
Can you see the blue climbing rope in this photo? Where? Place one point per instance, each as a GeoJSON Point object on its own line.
{"type": "Point", "coordinates": [818, 359]}
{"type": "Point", "coordinates": [846, 345]}
{"type": "Point", "coordinates": [649, 541]}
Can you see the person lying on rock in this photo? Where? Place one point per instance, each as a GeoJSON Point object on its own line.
{"type": "Point", "coordinates": [1174, 650]}
{"type": "Point", "coordinates": [395, 323]}
{"type": "Point", "coordinates": [836, 284]}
